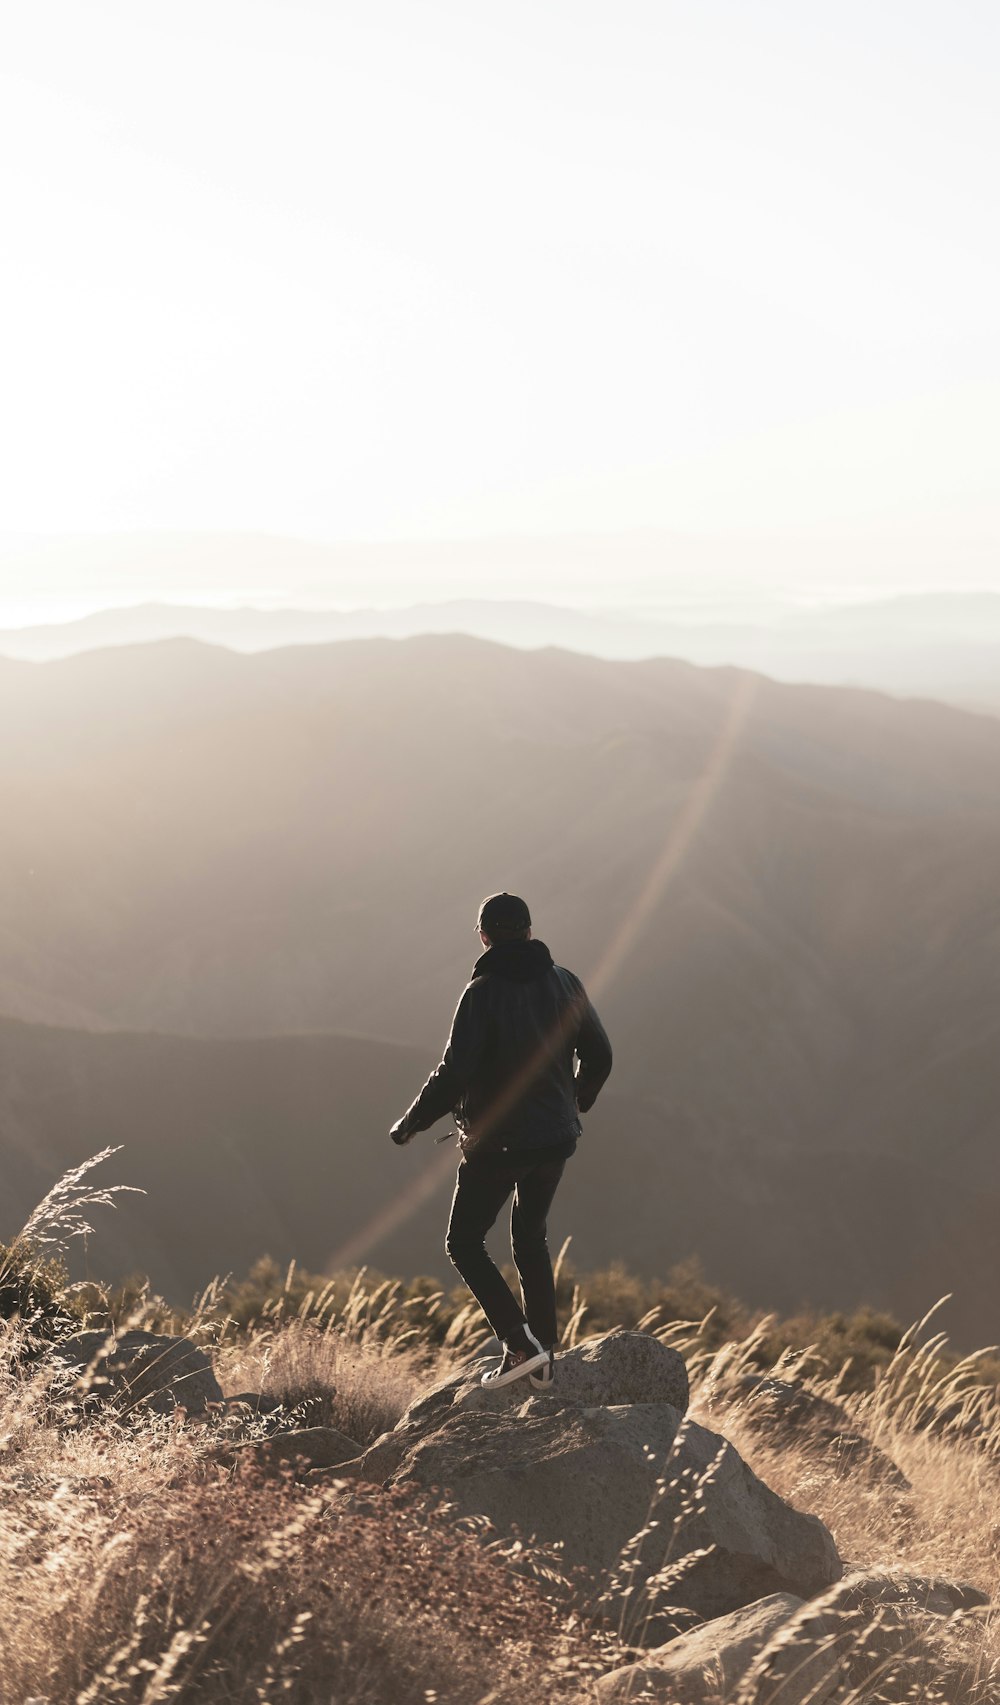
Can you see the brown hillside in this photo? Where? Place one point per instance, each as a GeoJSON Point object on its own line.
{"type": "Point", "coordinates": [280, 1145]}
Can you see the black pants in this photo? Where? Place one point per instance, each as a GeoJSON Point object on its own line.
{"type": "Point", "coordinates": [481, 1189]}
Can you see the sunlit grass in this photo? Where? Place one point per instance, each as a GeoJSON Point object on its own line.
{"type": "Point", "coordinates": [136, 1566]}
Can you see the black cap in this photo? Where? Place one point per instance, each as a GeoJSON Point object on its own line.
{"type": "Point", "coordinates": [503, 912]}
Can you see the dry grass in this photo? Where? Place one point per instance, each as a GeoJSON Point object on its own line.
{"type": "Point", "coordinates": [134, 1569]}
{"type": "Point", "coordinates": [940, 1424]}
{"type": "Point", "coordinates": [325, 1378]}
{"type": "Point", "coordinates": [940, 1427]}
{"type": "Point", "coordinates": [356, 1366]}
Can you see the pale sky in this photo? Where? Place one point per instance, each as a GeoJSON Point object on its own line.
{"type": "Point", "coordinates": [727, 269]}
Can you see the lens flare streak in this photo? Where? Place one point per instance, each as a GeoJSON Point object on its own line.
{"type": "Point", "coordinates": [684, 831]}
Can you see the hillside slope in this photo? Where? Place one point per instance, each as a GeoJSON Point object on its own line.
{"type": "Point", "coordinates": [274, 1145]}
{"type": "Point", "coordinates": [784, 898]}
{"type": "Point", "coordinates": [280, 1146]}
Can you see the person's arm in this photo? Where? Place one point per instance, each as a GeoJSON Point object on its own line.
{"type": "Point", "coordinates": [593, 1053]}
{"type": "Point", "coordinates": [449, 1081]}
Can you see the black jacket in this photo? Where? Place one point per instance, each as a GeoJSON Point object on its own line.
{"type": "Point", "coordinates": [507, 1076]}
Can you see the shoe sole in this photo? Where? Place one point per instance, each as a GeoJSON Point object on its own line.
{"type": "Point", "coordinates": [542, 1383]}
{"type": "Point", "coordinates": [523, 1371]}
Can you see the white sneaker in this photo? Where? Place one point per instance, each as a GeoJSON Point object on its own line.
{"type": "Point", "coordinates": [517, 1364]}
{"type": "Point", "coordinates": [545, 1378]}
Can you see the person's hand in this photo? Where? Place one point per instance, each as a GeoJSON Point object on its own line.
{"type": "Point", "coordinates": [400, 1134]}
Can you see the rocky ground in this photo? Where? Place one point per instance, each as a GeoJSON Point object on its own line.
{"type": "Point", "coordinates": [618, 1535]}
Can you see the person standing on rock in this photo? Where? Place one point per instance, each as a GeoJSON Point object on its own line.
{"type": "Point", "coordinates": [526, 1056]}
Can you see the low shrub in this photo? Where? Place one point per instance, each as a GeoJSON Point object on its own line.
{"type": "Point", "coordinates": [35, 1291]}
{"type": "Point", "coordinates": [244, 1589]}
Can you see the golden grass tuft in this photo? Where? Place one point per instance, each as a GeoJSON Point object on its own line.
{"type": "Point", "coordinates": [134, 1569]}
{"type": "Point", "coordinates": [939, 1422]}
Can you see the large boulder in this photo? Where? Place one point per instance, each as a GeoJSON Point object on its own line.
{"type": "Point", "coordinates": [898, 1630]}
{"type": "Point", "coordinates": [902, 1632]}
{"type": "Point", "coordinates": [699, 1666]}
{"type": "Point", "coordinates": [663, 1516]}
{"type": "Point", "coordinates": [616, 1368]}
{"type": "Point", "coordinates": [161, 1372]}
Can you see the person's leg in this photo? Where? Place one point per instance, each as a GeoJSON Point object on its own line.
{"type": "Point", "coordinates": [481, 1189]}
{"type": "Point", "coordinates": [536, 1187]}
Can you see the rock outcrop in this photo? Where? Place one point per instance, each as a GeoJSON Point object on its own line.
{"type": "Point", "coordinates": [700, 1666]}
{"type": "Point", "coordinates": [782, 1651]}
{"type": "Point", "coordinates": [160, 1372]}
{"type": "Point", "coordinates": [663, 1516]}
{"type": "Point", "coordinates": [870, 1624]}
{"type": "Point", "coordinates": [617, 1368]}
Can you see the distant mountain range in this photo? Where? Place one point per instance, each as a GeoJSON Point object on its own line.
{"type": "Point", "coordinates": [783, 899]}
{"type": "Point", "coordinates": [938, 645]}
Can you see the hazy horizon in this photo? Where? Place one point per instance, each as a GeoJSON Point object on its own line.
{"type": "Point", "coordinates": [53, 578]}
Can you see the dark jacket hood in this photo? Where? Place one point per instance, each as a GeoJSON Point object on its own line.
{"type": "Point", "coordinates": [520, 961]}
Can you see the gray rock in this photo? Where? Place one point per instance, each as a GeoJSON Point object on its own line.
{"type": "Point", "coordinates": [379, 1462]}
{"type": "Point", "coordinates": [871, 1623]}
{"type": "Point", "coordinates": [700, 1535]}
{"type": "Point", "coordinates": [308, 1448]}
{"type": "Point", "coordinates": [699, 1666]}
{"type": "Point", "coordinates": [622, 1367]}
{"type": "Point", "coordinates": [617, 1368]}
{"type": "Point", "coordinates": [788, 1409]}
{"type": "Point", "coordinates": [161, 1372]}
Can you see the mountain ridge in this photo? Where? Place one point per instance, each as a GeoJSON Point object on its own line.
{"type": "Point", "coordinates": [939, 645]}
